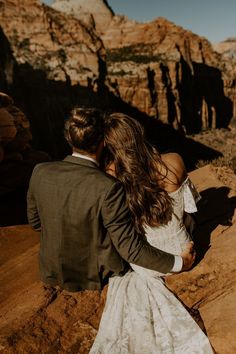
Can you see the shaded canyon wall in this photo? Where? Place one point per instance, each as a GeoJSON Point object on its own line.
{"type": "Point", "coordinates": [50, 61]}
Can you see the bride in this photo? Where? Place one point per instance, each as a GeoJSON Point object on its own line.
{"type": "Point", "coordinates": [141, 315]}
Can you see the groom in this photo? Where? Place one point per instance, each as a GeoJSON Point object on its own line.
{"type": "Point", "coordinates": [87, 234]}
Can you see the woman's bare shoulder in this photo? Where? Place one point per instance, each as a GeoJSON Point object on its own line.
{"type": "Point", "coordinates": [110, 169]}
{"type": "Point", "coordinates": [176, 167]}
{"type": "Point", "coordinates": [174, 160]}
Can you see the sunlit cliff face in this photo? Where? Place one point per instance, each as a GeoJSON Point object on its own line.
{"type": "Point", "coordinates": [227, 48]}
{"type": "Point", "coordinates": [156, 69]}
{"type": "Point", "coordinates": [169, 73]}
{"type": "Point", "coordinates": [93, 13]}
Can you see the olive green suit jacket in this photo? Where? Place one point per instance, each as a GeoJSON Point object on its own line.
{"type": "Point", "coordinates": [87, 234]}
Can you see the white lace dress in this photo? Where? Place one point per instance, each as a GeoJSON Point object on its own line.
{"type": "Point", "coordinates": [141, 315]}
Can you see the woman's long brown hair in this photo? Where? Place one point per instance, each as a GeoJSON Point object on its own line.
{"type": "Point", "coordinates": [137, 166]}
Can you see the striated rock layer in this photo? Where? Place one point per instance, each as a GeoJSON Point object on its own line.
{"type": "Point", "coordinates": [37, 319]}
{"type": "Point", "coordinates": [169, 73]}
{"type": "Point", "coordinates": [227, 48]}
{"type": "Point", "coordinates": [93, 13]}
{"type": "Point", "coordinates": [80, 53]}
{"type": "Point", "coordinates": [56, 43]}
{"type": "Point", "coordinates": [48, 61]}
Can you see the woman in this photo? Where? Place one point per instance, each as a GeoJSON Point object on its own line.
{"type": "Point", "coordinates": [141, 315]}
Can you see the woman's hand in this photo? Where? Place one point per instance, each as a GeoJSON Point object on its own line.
{"type": "Point", "coordinates": [188, 256]}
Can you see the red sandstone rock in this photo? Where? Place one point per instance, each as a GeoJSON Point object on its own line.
{"type": "Point", "coordinates": [38, 319]}
{"type": "Point", "coordinates": [57, 43]}
{"type": "Point", "coordinates": [227, 48]}
{"type": "Point", "coordinates": [93, 13]}
{"type": "Point", "coordinates": [157, 67]}
{"type": "Point", "coordinates": [170, 73]}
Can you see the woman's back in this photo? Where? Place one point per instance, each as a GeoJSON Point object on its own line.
{"type": "Point", "coordinates": [174, 171]}
{"type": "Point", "coordinates": [173, 237]}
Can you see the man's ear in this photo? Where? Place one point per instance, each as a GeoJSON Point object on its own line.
{"type": "Point", "coordinates": [104, 143]}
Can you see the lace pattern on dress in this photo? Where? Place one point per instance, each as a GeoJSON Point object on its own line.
{"type": "Point", "coordinates": [141, 315]}
{"type": "Point", "coordinates": [191, 196]}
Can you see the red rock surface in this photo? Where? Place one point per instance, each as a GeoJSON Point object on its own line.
{"type": "Point", "coordinates": [93, 13]}
{"type": "Point", "coordinates": [156, 67]}
{"type": "Point", "coordinates": [227, 48]}
{"type": "Point", "coordinates": [169, 73]}
{"type": "Point", "coordinates": [57, 43]}
{"type": "Point", "coordinates": [36, 319]}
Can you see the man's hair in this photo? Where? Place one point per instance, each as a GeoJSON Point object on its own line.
{"type": "Point", "coordinates": [84, 130]}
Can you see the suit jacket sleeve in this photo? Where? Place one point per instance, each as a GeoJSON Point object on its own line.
{"type": "Point", "coordinates": [131, 247]}
{"type": "Point", "coordinates": [32, 210]}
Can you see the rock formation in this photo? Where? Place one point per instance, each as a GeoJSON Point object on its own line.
{"type": "Point", "coordinates": [57, 44]}
{"type": "Point", "coordinates": [169, 73]}
{"type": "Point", "coordinates": [15, 135]}
{"type": "Point", "coordinates": [48, 67]}
{"type": "Point", "coordinates": [37, 319]}
{"type": "Point", "coordinates": [17, 159]}
{"type": "Point", "coordinates": [158, 72]}
{"type": "Point", "coordinates": [95, 14]}
{"type": "Point", "coordinates": [154, 69]}
{"type": "Point", "coordinates": [227, 48]}
{"type": "Point", "coordinates": [157, 68]}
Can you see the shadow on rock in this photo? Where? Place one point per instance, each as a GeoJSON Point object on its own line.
{"type": "Point", "coordinates": [215, 208]}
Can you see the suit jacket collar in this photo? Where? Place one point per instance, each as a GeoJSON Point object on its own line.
{"type": "Point", "coordinates": [80, 161]}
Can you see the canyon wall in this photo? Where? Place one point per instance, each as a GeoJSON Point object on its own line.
{"type": "Point", "coordinates": [227, 48]}
{"type": "Point", "coordinates": [52, 59]}
{"type": "Point", "coordinates": [48, 61]}
{"type": "Point", "coordinates": [93, 13]}
{"type": "Point", "coordinates": [169, 73]}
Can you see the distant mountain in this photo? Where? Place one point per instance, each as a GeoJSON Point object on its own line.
{"type": "Point", "coordinates": [227, 48]}
{"type": "Point", "coordinates": [93, 13]}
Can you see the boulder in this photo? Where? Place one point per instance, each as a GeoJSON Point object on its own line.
{"type": "Point", "coordinates": [17, 160]}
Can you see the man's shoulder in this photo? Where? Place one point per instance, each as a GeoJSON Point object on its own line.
{"type": "Point", "coordinates": [45, 168]}
{"type": "Point", "coordinates": [45, 165]}
{"type": "Point", "coordinates": [106, 179]}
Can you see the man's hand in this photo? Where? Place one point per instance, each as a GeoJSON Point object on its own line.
{"type": "Point", "coordinates": [188, 256]}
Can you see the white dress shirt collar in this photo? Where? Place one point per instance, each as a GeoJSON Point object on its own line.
{"type": "Point", "coordinates": [77, 154]}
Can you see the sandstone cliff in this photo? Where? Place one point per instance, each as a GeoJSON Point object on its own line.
{"type": "Point", "coordinates": [154, 69]}
{"type": "Point", "coordinates": [36, 319]}
{"type": "Point", "coordinates": [57, 44]}
{"type": "Point", "coordinates": [169, 73]}
{"type": "Point", "coordinates": [48, 61]}
{"type": "Point", "coordinates": [93, 13]}
{"type": "Point", "coordinates": [51, 60]}
{"type": "Point", "coordinates": [227, 48]}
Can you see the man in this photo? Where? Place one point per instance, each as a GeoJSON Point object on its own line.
{"type": "Point", "coordinates": [87, 234]}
